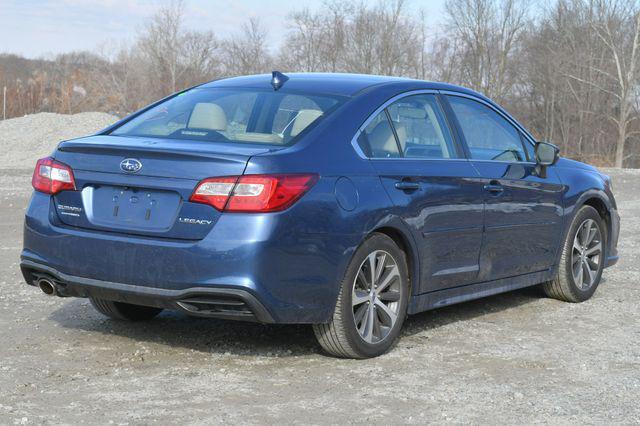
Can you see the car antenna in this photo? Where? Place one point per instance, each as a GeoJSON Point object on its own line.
{"type": "Point", "coordinates": [278, 79]}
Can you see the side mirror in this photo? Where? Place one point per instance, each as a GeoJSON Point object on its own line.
{"type": "Point", "coordinates": [547, 154]}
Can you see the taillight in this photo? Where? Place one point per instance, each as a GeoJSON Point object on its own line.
{"type": "Point", "coordinates": [253, 193]}
{"type": "Point", "coordinates": [51, 177]}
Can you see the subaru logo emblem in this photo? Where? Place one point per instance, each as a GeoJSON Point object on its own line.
{"type": "Point", "coordinates": [130, 165]}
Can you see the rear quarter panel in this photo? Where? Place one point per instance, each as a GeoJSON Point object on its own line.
{"type": "Point", "coordinates": [327, 151]}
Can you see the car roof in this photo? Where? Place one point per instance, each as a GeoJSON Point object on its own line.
{"type": "Point", "coordinates": [342, 84]}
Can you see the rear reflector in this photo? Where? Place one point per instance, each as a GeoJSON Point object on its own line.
{"type": "Point", "coordinates": [51, 177]}
{"type": "Point", "coordinates": [253, 193]}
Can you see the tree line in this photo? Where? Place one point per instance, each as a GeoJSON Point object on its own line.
{"type": "Point", "coordinates": [569, 71]}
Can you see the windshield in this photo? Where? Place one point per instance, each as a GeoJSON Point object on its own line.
{"type": "Point", "coordinates": [231, 115]}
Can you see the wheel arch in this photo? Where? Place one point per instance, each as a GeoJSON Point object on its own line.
{"type": "Point", "coordinates": [404, 241]}
{"type": "Point", "coordinates": [597, 199]}
{"type": "Point", "coordinates": [601, 203]}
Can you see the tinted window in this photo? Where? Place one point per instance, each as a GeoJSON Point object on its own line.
{"type": "Point", "coordinates": [421, 128]}
{"type": "Point", "coordinates": [231, 115]}
{"type": "Point", "coordinates": [377, 139]}
{"type": "Point", "coordinates": [489, 136]}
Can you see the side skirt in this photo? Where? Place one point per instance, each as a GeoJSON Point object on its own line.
{"type": "Point", "coordinates": [451, 296]}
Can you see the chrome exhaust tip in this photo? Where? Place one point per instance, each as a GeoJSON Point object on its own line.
{"type": "Point", "coordinates": [47, 286]}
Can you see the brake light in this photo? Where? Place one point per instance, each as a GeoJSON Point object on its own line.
{"type": "Point", "coordinates": [253, 193]}
{"type": "Point", "coordinates": [51, 177]}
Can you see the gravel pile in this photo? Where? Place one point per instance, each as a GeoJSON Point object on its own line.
{"type": "Point", "coordinates": [25, 139]}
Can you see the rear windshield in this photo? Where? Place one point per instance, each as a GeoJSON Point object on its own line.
{"type": "Point", "coordinates": [231, 115]}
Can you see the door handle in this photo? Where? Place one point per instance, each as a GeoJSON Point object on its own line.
{"type": "Point", "coordinates": [406, 185]}
{"type": "Point", "coordinates": [494, 187]}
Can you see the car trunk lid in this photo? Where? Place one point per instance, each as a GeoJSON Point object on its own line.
{"type": "Point", "coordinates": [152, 201]}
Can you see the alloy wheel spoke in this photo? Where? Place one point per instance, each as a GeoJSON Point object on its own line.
{"type": "Point", "coordinates": [593, 265]}
{"type": "Point", "coordinates": [589, 275]}
{"type": "Point", "coordinates": [377, 331]}
{"type": "Point", "coordinates": [579, 275]}
{"type": "Point", "coordinates": [372, 267]}
{"type": "Point", "coordinates": [591, 233]}
{"type": "Point", "coordinates": [368, 325]}
{"type": "Point", "coordinates": [576, 245]}
{"type": "Point", "coordinates": [360, 314]}
{"type": "Point", "coordinates": [387, 313]}
{"type": "Point", "coordinates": [577, 267]}
{"type": "Point", "coordinates": [389, 296]}
{"type": "Point", "coordinates": [584, 232]}
{"type": "Point", "coordinates": [388, 279]}
{"type": "Point", "coordinates": [596, 249]}
{"type": "Point", "coordinates": [359, 297]}
{"type": "Point", "coordinates": [379, 267]}
{"type": "Point", "coordinates": [363, 279]}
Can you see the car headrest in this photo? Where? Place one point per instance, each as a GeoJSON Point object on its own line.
{"type": "Point", "coordinates": [208, 116]}
{"type": "Point", "coordinates": [382, 140]}
{"type": "Point", "coordinates": [417, 113]}
{"type": "Point", "coordinates": [304, 118]}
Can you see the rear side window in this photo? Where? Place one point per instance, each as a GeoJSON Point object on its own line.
{"type": "Point", "coordinates": [377, 139]}
{"type": "Point", "coordinates": [421, 127]}
{"type": "Point", "coordinates": [488, 135]}
{"type": "Point", "coordinates": [232, 115]}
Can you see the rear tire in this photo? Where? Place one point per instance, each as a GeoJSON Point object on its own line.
{"type": "Point", "coordinates": [124, 311]}
{"type": "Point", "coordinates": [582, 259]}
{"type": "Point", "coordinates": [372, 303]}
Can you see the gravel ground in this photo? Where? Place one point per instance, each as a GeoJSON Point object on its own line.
{"type": "Point", "coordinates": [513, 358]}
{"type": "Point", "coordinates": [25, 139]}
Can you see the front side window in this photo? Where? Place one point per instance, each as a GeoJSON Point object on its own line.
{"type": "Point", "coordinates": [421, 128]}
{"type": "Point", "coordinates": [231, 115]}
{"type": "Point", "coordinates": [488, 135]}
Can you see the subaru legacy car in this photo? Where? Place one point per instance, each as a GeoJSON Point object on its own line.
{"type": "Point", "coordinates": [343, 201]}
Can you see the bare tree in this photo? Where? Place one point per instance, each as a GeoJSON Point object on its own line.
{"type": "Point", "coordinates": [357, 37]}
{"type": "Point", "coordinates": [316, 39]}
{"type": "Point", "coordinates": [486, 35]}
{"type": "Point", "coordinates": [173, 56]}
{"type": "Point", "coordinates": [246, 52]}
{"type": "Point", "coordinates": [617, 24]}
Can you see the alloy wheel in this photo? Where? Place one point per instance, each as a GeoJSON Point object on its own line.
{"type": "Point", "coordinates": [586, 254]}
{"type": "Point", "coordinates": [376, 296]}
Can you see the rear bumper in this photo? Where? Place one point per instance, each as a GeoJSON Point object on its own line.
{"type": "Point", "coordinates": [226, 303]}
{"type": "Point", "coordinates": [274, 264]}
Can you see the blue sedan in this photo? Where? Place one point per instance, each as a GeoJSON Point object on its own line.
{"type": "Point", "coordinates": [343, 201]}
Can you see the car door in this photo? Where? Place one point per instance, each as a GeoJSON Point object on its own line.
{"type": "Point", "coordinates": [435, 190]}
{"type": "Point", "coordinates": [523, 211]}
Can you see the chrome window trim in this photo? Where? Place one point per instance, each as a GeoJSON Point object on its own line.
{"type": "Point", "coordinates": [519, 128]}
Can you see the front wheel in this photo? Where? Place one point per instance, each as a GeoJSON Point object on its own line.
{"type": "Point", "coordinates": [582, 259]}
{"type": "Point", "coordinates": [372, 303]}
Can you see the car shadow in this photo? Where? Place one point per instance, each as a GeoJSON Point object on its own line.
{"type": "Point", "coordinates": [250, 339]}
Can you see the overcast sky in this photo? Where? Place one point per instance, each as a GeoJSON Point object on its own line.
{"type": "Point", "coordinates": [36, 28]}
